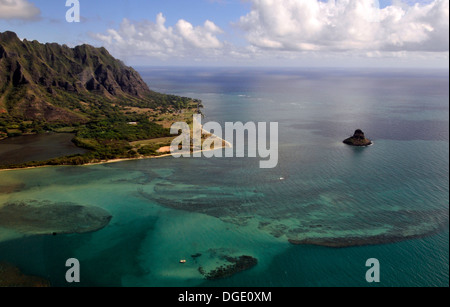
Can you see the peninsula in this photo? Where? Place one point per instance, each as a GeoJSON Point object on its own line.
{"type": "Point", "coordinates": [87, 92]}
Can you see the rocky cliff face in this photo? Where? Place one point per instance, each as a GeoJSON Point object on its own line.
{"type": "Point", "coordinates": [48, 81]}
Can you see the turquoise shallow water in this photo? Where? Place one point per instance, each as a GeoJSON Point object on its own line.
{"type": "Point", "coordinates": [169, 209]}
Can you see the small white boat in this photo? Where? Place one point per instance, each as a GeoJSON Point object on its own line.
{"type": "Point", "coordinates": [182, 261]}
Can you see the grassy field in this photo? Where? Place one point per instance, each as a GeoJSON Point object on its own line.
{"type": "Point", "coordinates": [159, 141]}
{"type": "Point", "coordinates": [65, 130]}
{"type": "Point", "coordinates": [185, 116]}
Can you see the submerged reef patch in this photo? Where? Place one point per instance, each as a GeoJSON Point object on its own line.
{"type": "Point", "coordinates": [47, 218]}
{"type": "Point", "coordinates": [233, 266]}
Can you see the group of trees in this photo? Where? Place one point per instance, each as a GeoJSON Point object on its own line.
{"type": "Point", "coordinates": [17, 126]}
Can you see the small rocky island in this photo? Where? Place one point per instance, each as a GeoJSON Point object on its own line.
{"type": "Point", "coordinates": [358, 139]}
{"type": "Point", "coordinates": [234, 265]}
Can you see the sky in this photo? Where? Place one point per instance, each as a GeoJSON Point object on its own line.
{"type": "Point", "coordinates": [292, 33]}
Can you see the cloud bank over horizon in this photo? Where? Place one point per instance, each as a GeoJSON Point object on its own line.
{"type": "Point", "coordinates": [265, 32]}
{"type": "Point", "coordinates": [295, 28]}
{"type": "Point", "coordinates": [155, 39]}
{"type": "Point", "coordinates": [303, 25]}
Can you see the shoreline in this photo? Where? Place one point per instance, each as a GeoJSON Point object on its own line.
{"type": "Point", "coordinates": [227, 145]}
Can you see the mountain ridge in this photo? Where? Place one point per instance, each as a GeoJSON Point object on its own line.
{"type": "Point", "coordinates": [55, 83]}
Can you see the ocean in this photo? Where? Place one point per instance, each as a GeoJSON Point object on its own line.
{"type": "Point", "coordinates": [388, 201]}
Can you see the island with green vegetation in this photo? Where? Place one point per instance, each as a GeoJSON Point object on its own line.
{"type": "Point", "coordinates": [85, 91]}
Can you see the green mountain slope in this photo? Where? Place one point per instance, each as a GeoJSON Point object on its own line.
{"type": "Point", "coordinates": [55, 83]}
{"type": "Point", "coordinates": [83, 90]}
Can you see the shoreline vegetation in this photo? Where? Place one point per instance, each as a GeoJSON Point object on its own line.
{"type": "Point", "coordinates": [117, 136]}
{"type": "Point", "coordinates": [161, 150]}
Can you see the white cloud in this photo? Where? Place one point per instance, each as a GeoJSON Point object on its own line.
{"type": "Point", "coordinates": [155, 39]}
{"type": "Point", "coordinates": [346, 25]}
{"type": "Point", "coordinates": [18, 9]}
{"type": "Point", "coordinates": [295, 32]}
{"type": "Point", "coordinates": [199, 37]}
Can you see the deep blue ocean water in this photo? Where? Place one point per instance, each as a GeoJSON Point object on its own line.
{"type": "Point", "coordinates": [169, 209]}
